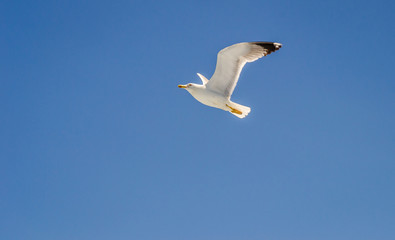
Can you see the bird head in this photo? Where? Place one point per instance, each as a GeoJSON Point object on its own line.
{"type": "Point", "coordinates": [186, 86]}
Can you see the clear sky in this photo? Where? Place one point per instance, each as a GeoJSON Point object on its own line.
{"type": "Point", "coordinates": [97, 141]}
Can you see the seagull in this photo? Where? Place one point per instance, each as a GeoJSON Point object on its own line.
{"type": "Point", "coordinates": [217, 91]}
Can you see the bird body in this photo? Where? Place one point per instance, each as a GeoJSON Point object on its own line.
{"type": "Point", "coordinates": [217, 100]}
{"type": "Point", "coordinates": [206, 96]}
{"type": "Point", "coordinates": [217, 91]}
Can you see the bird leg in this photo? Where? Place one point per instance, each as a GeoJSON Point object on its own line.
{"type": "Point", "coordinates": [234, 110]}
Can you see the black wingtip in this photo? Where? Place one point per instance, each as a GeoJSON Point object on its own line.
{"type": "Point", "coordinates": [269, 46]}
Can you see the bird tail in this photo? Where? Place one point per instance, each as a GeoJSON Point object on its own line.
{"type": "Point", "coordinates": [238, 110]}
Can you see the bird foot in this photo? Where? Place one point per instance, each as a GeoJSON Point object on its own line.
{"type": "Point", "coordinates": [234, 110]}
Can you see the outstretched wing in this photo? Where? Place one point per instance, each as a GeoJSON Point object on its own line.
{"type": "Point", "coordinates": [231, 60]}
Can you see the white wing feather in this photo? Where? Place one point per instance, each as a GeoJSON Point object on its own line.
{"type": "Point", "coordinates": [231, 60]}
{"type": "Point", "coordinates": [203, 78]}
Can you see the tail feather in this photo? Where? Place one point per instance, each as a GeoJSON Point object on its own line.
{"type": "Point", "coordinates": [240, 110]}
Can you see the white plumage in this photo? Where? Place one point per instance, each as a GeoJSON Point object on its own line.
{"type": "Point", "coordinates": [217, 91]}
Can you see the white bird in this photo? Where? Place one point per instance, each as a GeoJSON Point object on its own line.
{"type": "Point", "coordinates": [217, 91]}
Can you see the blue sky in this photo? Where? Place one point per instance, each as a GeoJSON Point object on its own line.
{"type": "Point", "coordinates": [97, 141]}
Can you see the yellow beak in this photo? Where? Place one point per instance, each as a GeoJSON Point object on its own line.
{"type": "Point", "coordinates": [182, 86]}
